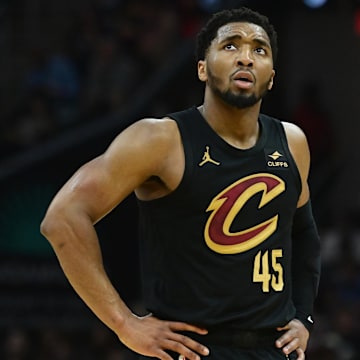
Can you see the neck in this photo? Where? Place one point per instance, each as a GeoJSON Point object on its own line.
{"type": "Point", "coordinates": [238, 127]}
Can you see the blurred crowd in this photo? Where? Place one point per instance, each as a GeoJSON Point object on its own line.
{"type": "Point", "coordinates": [83, 60]}
{"type": "Point", "coordinates": [79, 61]}
{"type": "Point", "coordinates": [95, 344]}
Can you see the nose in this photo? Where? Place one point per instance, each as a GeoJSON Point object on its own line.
{"type": "Point", "coordinates": [244, 57]}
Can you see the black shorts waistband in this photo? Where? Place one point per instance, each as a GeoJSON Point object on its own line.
{"type": "Point", "coordinates": [238, 338]}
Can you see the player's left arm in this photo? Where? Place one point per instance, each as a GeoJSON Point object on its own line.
{"type": "Point", "coordinates": [306, 262]}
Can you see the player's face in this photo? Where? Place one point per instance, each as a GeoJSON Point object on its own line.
{"type": "Point", "coordinates": [238, 67]}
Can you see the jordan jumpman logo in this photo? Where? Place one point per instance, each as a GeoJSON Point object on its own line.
{"type": "Point", "coordinates": [207, 158]}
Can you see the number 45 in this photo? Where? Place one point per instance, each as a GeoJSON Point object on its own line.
{"type": "Point", "coordinates": [262, 272]}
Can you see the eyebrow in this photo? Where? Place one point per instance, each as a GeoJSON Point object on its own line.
{"type": "Point", "coordinates": [258, 41]}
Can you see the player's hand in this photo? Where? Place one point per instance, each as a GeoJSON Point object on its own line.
{"type": "Point", "coordinates": [152, 337]}
{"type": "Point", "coordinates": [295, 338]}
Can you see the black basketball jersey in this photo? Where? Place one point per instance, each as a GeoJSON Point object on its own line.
{"type": "Point", "coordinates": [217, 250]}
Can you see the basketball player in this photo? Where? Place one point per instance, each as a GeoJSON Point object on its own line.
{"type": "Point", "coordinates": [229, 247]}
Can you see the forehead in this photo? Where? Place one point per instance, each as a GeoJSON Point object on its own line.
{"type": "Point", "coordinates": [242, 29]}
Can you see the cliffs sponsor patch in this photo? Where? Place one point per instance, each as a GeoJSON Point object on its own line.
{"type": "Point", "coordinates": [275, 159]}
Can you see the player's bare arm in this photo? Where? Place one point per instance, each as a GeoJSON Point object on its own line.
{"type": "Point", "coordinates": [142, 152]}
{"type": "Point", "coordinates": [296, 336]}
{"type": "Point", "coordinates": [300, 151]}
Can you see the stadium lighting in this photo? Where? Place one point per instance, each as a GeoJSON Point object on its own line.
{"type": "Point", "coordinates": [314, 4]}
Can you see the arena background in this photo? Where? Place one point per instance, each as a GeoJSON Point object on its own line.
{"type": "Point", "coordinates": [75, 73]}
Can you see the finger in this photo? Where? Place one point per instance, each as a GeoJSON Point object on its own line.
{"type": "Point", "coordinates": [289, 325]}
{"type": "Point", "coordinates": [190, 344]}
{"type": "Point", "coordinates": [291, 346]}
{"type": "Point", "coordinates": [182, 350]}
{"type": "Point", "coordinates": [300, 353]}
{"type": "Point", "coordinates": [163, 355]}
{"type": "Point", "coordinates": [180, 326]}
{"type": "Point", "coordinates": [283, 340]}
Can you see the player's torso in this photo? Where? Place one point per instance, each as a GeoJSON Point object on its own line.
{"type": "Point", "coordinates": [221, 241]}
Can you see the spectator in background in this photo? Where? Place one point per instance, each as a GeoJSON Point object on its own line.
{"type": "Point", "coordinates": [16, 345]}
{"type": "Point", "coordinates": [313, 118]}
{"type": "Point", "coordinates": [54, 74]}
{"type": "Point", "coordinates": [157, 30]}
{"type": "Point", "coordinates": [191, 18]}
{"type": "Point", "coordinates": [62, 85]}
{"type": "Point", "coordinates": [30, 124]}
{"type": "Point", "coordinates": [83, 33]}
{"type": "Point", "coordinates": [112, 75]}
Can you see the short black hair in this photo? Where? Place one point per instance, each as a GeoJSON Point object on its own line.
{"type": "Point", "coordinates": [208, 33]}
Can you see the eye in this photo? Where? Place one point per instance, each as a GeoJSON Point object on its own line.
{"type": "Point", "coordinates": [260, 50]}
{"type": "Point", "coordinates": [229, 47]}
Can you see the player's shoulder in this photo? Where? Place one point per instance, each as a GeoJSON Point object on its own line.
{"type": "Point", "coordinates": [293, 131]}
{"type": "Point", "coordinates": [297, 143]}
{"type": "Point", "coordinates": [159, 124]}
{"type": "Point", "coordinates": [153, 130]}
{"type": "Point", "coordinates": [294, 134]}
{"type": "Point", "coordinates": [150, 134]}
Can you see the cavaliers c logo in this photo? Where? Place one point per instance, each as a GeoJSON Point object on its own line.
{"type": "Point", "coordinates": [229, 203]}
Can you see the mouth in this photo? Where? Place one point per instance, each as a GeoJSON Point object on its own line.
{"type": "Point", "coordinates": [244, 76]}
{"type": "Point", "coordinates": [243, 80]}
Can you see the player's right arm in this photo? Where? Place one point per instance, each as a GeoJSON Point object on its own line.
{"type": "Point", "coordinates": [306, 262]}
{"type": "Point", "coordinates": [140, 152]}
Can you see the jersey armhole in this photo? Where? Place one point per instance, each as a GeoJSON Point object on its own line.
{"type": "Point", "coordinates": [187, 149]}
{"type": "Point", "coordinates": [294, 168]}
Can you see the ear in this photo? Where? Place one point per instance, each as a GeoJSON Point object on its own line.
{"type": "Point", "coordinates": [271, 81]}
{"type": "Point", "coordinates": [202, 74]}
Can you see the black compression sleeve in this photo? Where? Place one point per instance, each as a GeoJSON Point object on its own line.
{"type": "Point", "coordinates": [306, 263]}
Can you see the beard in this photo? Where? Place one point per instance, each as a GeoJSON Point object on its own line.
{"type": "Point", "coordinates": [238, 100]}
